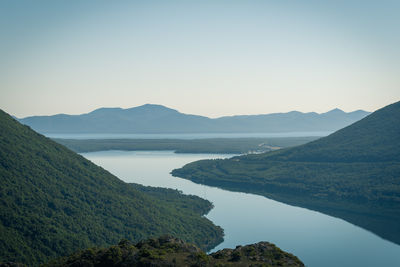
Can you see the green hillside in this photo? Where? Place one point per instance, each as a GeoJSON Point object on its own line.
{"type": "Point", "coordinates": [353, 173]}
{"type": "Point", "coordinates": [375, 138]}
{"type": "Point", "coordinates": [53, 202]}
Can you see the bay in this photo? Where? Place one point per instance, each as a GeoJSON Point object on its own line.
{"type": "Point", "coordinates": [317, 239]}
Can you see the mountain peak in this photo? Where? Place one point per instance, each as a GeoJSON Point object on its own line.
{"type": "Point", "coordinates": [335, 111]}
{"type": "Point", "coordinates": [149, 105]}
{"type": "Point", "coordinates": [152, 107]}
{"type": "Point", "coordinates": [104, 110]}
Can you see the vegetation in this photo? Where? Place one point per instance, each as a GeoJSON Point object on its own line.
{"type": "Point", "coordinates": [169, 251]}
{"type": "Point", "coordinates": [353, 173]}
{"type": "Point", "coordinates": [212, 145]}
{"type": "Point", "coordinates": [53, 202]}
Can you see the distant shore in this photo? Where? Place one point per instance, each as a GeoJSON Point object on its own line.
{"type": "Point", "coordinates": [211, 145]}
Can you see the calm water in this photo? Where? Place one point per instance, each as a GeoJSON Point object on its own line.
{"type": "Point", "coordinates": [185, 136]}
{"type": "Point", "coordinates": [317, 239]}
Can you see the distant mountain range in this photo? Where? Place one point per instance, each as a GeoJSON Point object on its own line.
{"type": "Point", "coordinates": [151, 118]}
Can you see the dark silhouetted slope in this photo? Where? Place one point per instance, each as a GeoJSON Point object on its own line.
{"type": "Point", "coordinates": [53, 202]}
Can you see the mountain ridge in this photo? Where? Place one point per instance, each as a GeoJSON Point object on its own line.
{"type": "Point", "coordinates": [357, 142]}
{"type": "Point", "coordinates": [152, 118]}
{"type": "Point", "coordinates": [162, 107]}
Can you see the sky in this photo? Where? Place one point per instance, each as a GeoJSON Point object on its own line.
{"type": "Point", "coordinates": [211, 58]}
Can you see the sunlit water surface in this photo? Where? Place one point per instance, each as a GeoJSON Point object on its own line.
{"type": "Point", "coordinates": [317, 239]}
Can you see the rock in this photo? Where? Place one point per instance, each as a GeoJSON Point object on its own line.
{"type": "Point", "coordinates": [170, 251]}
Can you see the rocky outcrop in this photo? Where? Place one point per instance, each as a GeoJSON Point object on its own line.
{"type": "Point", "coordinates": [170, 251]}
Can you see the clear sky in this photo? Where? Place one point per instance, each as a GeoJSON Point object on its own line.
{"type": "Point", "coordinates": [210, 58]}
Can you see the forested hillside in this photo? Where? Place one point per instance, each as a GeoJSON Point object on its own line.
{"type": "Point", "coordinates": [54, 201]}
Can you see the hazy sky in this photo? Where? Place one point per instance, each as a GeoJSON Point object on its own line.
{"type": "Point", "coordinates": [210, 58]}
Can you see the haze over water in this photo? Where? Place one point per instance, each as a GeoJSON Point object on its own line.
{"type": "Point", "coordinates": [186, 136]}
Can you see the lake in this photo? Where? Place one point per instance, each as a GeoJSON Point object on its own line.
{"type": "Point", "coordinates": [317, 239]}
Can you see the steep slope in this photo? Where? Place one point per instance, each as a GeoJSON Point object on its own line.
{"type": "Point", "coordinates": [375, 138]}
{"type": "Point", "coordinates": [169, 251]}
{"type": "Point", "coordinates": [53, 201]}
{"type": "Point", "coordinates": [159, 119]}
{"type": "Point", "coordinates": [354, 170]}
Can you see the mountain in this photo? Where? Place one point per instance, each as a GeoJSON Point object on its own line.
{"type": "Point", "coordinates": [170, 251]}
{"type": "Point", "coordinates": [54, 201]}
{"type": "Point", "coordinates": [375, 138]}
{"type": "Point", "coordinates": [353, 173]}
{"type": "Point", "coordinates": [159, 119]}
